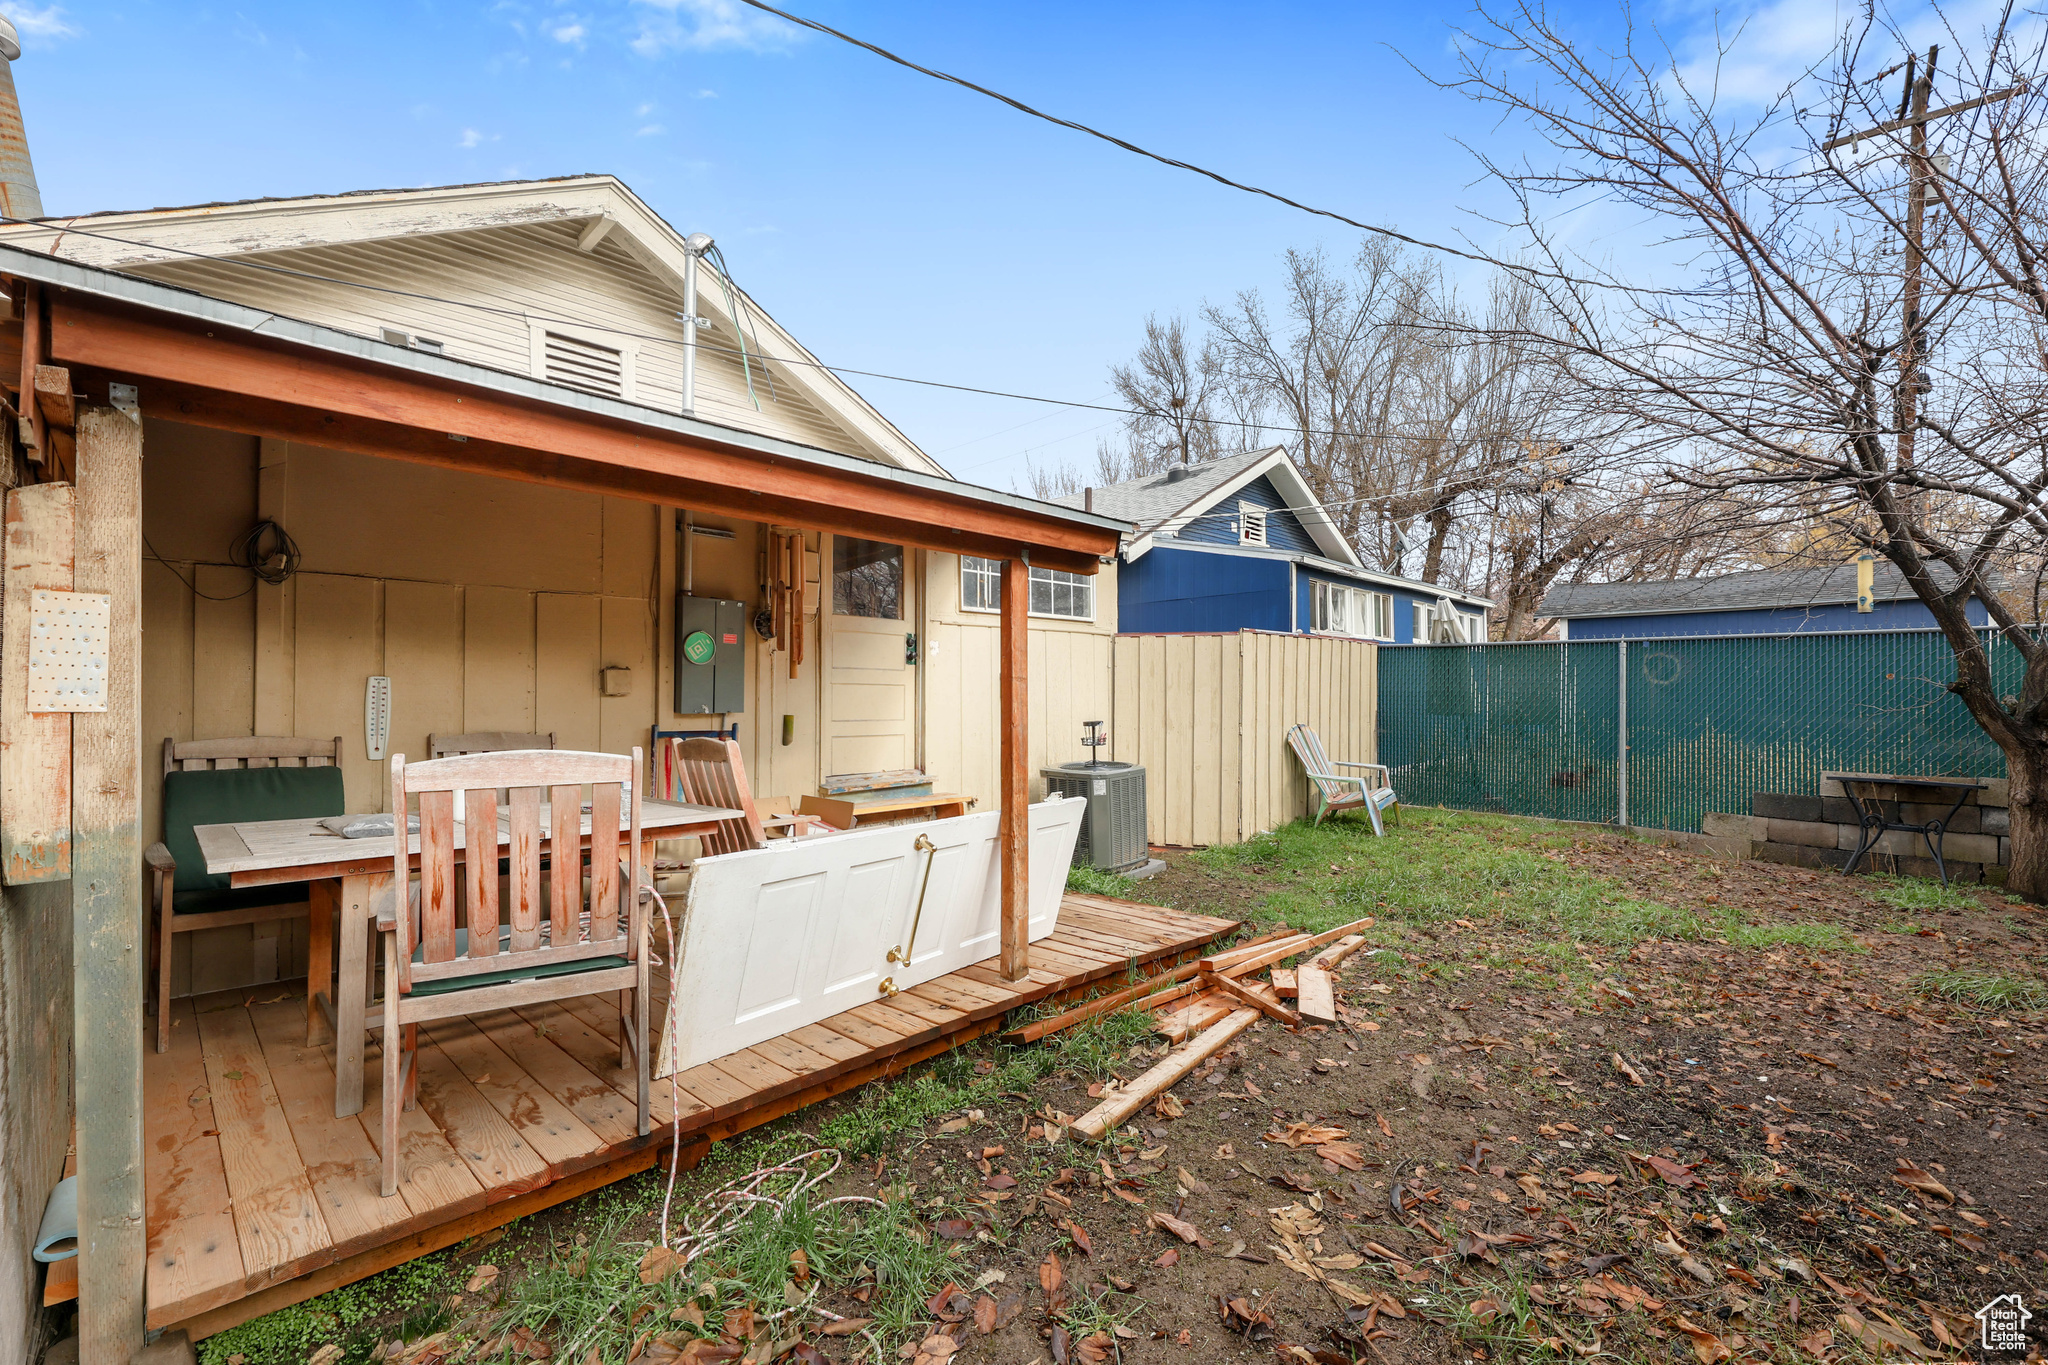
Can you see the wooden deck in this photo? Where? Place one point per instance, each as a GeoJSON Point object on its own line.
{"type": "Point", "coordinates": [259, 1197]}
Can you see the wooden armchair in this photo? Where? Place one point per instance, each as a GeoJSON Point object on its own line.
{"type": "Point", "coordinates": [435, 969]}
{"type": "Point", "coordinates": [1340, 792]}
{"type": "Point", "coordinates": [713, 774]}
{"type": "Point", "coordinates": [222, 781]}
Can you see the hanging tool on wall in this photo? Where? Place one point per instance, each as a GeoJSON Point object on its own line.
{"type": "Point", "coordinates": [788, 594]}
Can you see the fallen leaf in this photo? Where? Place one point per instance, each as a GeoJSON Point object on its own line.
{"type": "Point", "coordinates": [985, 1315]}
{"type": "Point", "coordinates": [1167, 1259]}
{"type": "Point", "coordinates": [1671, 1172]}
{"type": "Point", "coordinates": [1080, 1236]}
{"type": "Point", "coordinates": [1345, 1154]}
{"type": "Point", "coordinates": [1049, 1275]}
{"type": "Point", "coordinates": [1921, 1182]}
{"type": "Point", "coordinates": [1595, 1178]}
{"type": "Point", "coordinates": [1708, 1346]}
{"type": "Point", "coordinates": [1307, 1135]}
{"type": "Point", "coordinates": [658, 1264]}
{"type": "Point", "coordinates": [954, 1229]}
{"type": "Point", "coordinates": [954, 1126]}
{"type": "Point", "coordinates": [1634, 1076]}
{"type": "Point", "coordinates": [480, 1279]}
{"type": "Point", "coordinates": [1817, 1342]}
{"type": "Point", "coordinates": [1166, 1222]}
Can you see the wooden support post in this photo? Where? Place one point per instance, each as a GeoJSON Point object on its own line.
{"type": "Point", "coordinates": [34, 350]}
{"type": "Point", "coordinates": [1014, 784]}
{"type": "Point", "coordinates": [107, 926]}
{"type": "Point", "coordinates": [35, 749]}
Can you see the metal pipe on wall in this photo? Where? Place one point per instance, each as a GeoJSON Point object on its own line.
{"type": "Point", "coordinates": [694, 247]}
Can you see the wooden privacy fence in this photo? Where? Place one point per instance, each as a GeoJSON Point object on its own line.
{"type": "Point", "coordinates": [1208, 714]}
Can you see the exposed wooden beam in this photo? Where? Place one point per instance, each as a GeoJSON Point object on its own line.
{"type": "Point", "coordinates": [33, 348]}
{"type": "Point", "coordinates": [256, 385]}
{"type": "Point", "coordinates": [107, 930]}
{"type": "Point", "coordinates": [35, 747]}
{"type": "Point", "coordinates": [53, 396]}
{"type": "Point", "coordinates": [1013, 783]}
{"type": "Point", "coordinates": [588, 239]}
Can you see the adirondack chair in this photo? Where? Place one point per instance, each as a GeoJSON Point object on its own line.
{"type": "Point", "coordinates": [219, 782]}
{"type": "Point", "coordinates": [1336, 792]}
{"type": "Point", "coordinates": [713, 774]}
{"type": "Point", "coordinates": [433, 969]}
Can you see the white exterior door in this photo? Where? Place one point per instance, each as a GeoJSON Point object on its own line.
{"type": "Point", "coordinates": [870, 691]}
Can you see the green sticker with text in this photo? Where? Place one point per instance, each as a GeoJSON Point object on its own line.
{"type": "Point", "coordinates": [698, 647]}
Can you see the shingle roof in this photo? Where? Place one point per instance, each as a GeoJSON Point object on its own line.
{"type": "Point", "coordinates": [1761, 589]}
{"type": "Point", "coordinates": [1157, 497]}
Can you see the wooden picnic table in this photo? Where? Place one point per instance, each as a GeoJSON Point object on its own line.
{"type": "Point", "coordinates": [347, 877]}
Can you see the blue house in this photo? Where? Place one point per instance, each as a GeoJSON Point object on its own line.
{"type": "Point", "coordinates": [1241, 543]}
{"type": "Point", "coordinates": [1763, 602]}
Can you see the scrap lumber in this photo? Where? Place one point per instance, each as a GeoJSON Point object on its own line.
{"type": "Point", "coordinates": [1318, 998]}
{"type": "Point", "coordinates": [1256, 999]}
{"type": "Point", "coordinates": [1283, 982]}
{"type": "Point", "coordinates": [1227, 961]}
{"type": "Point", "coordinates": [1144, 991]}
{"type": "Point", "coordinates": [1104, 1117]}
{"type": "Point", "coordinates": [1204, 1010]}
{"type": "Point", "coordinates": [1329, 959]}
{"type": "Point", "coordinates": [1278, 952]}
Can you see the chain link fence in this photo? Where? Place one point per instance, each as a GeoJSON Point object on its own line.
{"type": "Point", "coordinates": [1659, 732]}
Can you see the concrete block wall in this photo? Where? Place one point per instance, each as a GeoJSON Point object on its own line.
{"type": "Point", "coordinates": [1823, 831]}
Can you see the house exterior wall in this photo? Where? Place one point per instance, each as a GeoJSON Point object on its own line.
{"type": "Point", "coordinates": [1170, 590]}
{"type": "Point", "coordinates": [523, 274]}
{"type": "Point", "coordinates": [1911, 615]}
{"type": "Point", "coordinates": [1218, 526]}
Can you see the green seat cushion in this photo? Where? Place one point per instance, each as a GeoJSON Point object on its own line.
{"type": "Point", "coordinates": [248, 898]}
{"type": "Point", "coordinates": [229, 796]}
{"type": "Point", "coordinates": [530, 972]}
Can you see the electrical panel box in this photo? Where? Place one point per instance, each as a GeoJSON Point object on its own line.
{"type": "Point", "coordinates": [711, 656]}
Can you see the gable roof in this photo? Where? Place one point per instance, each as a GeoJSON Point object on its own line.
{"type": "Point", "coordinates": [1758, 590]}
{"type": "Point", "coordinates": [1162, 503]}
{"type": "Point", "coordinates": [601, 209]}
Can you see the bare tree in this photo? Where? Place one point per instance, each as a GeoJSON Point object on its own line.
{"type": "Point", "coordinates": [1854, 331]}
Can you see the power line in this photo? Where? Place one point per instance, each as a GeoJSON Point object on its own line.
{"type": "Point", "coordinates": [1224, 180]}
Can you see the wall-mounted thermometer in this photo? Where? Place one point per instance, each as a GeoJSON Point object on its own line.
{"type": "Point", "coordinates": [377, 717]}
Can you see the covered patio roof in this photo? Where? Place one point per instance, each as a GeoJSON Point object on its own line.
{"type": "Point", "coordinates": [209, 362]}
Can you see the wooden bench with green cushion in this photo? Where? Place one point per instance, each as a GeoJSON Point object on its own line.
{"type": "Point", "coordinates": [185, 897]}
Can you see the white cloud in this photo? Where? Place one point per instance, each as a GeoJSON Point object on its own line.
{"type": "Point", "coordinates": [571, 32]}
{"type": "Point", "coordinates": [47, 22]}
{"type": "Point", "coordinates": [472, 138]}
{"type": "Point", "coordinates": [651, 130]}
{"type": "Point", "coordinates": [705, 95]}
{"type": "Point", "coordinates": [695, 25]}
{"type": "Point", "coordinates": [644, 110]}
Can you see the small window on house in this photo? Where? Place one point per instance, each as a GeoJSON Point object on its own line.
{"type": "Point", "coordinates": [582, 364]}
{"type": "Point", "coordinates": [981, 584]}
{"type": "Point", "coordinates": [867, 578]}
{"type": "Point", "coordinates": [1338, 610]}
{"type": "Point", "coordinates": [1069, 596]}
{"type": "Point", "coordinates": [1251, 524]}
{"type": "Point", "coordinates": [1424, 617]}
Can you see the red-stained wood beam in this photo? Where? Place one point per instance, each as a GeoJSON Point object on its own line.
{"type": "Point", "coordinates": [261, 386]}
{"type": "Point", "coordinates": [1013, 838]}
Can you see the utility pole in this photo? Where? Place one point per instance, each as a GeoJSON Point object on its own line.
{"type": "Point", "coordinates": [1914, 116]}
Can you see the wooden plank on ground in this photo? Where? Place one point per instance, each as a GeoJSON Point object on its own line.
{"type": "Point", "coordinates": [1105, 1116]}
{"type": "Point", "coordinates": [546, 1124]}
{"type": "Point", "coordinates": [193, 1251]}
{"type": "Point", "coordinates": [496, 1154]}
{"type": "Point", "coordinates": [341, 1162]}
{"type": "Point", "coordinates": [1318, 999]}
{"type": "Point", "coordinates": [1284, 982]}
{"type": "Point", "coordinates": [278, 1219]}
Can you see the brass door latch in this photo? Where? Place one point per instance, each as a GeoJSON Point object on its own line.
{"type": "Point", "coordinates": [900, 953]}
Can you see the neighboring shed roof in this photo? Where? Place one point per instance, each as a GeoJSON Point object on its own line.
{"type": "Point", "coordinates": [1758, 590]}
{"type": "Point", "coordinates": [1157, 497]}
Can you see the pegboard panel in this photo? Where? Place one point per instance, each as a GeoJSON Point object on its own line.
{"type": "Point", "coordinates": [67, 650]}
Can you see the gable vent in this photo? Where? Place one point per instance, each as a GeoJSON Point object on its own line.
{"type": "Point", "coordinates": [1251, 524]}
{"type": "Point", "coordinates": [586, 365]}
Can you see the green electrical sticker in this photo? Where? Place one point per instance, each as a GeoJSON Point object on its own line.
{"type": "Point", "coordinates": [698, 647]}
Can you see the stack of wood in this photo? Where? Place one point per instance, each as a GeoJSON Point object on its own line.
{"type": "Point", "coordinates": [1204, 1004]}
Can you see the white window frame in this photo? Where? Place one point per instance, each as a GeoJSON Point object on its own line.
{"type": "Point", "coordinates": [628, 349]}
{"type": "Point", "coordinates": [1082, 582]}
{"type": "Point", "coordinates": [1370, 610]}
{"type": "Point", "coordinates": [1251, 515]}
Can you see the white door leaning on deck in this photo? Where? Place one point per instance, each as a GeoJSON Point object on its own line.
{"type": "Point", "coordinates": [779, 937]}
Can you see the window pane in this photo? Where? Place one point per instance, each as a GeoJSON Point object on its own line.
{"type": "Point", "coordinates": [1041, 594]}
{"type": "Point", "coordinates": [980, 584]}
{"type": "Point", "coordinates": [1084, 597]}
{"type": "Point", "coordinates": [867, 578]}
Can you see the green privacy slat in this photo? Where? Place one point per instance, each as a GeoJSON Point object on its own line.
{"type": "Point", "coordinates": [1534, 729]}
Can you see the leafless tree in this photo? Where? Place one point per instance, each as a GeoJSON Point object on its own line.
{"type": "Point", "coordinates": [1852, 333]}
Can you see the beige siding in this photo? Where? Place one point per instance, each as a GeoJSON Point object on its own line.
{"type": "Point", "coordinates": [523, 275]}
{"type": "Point", "coordinates": [1208, 716]}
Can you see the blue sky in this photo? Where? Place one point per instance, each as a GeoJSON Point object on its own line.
{"type": "Point", "coordinates": [893, 223]}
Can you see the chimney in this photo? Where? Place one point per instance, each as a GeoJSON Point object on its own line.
{"type": "Point", "coordinates": [19, 197]}
{"type": "Point", "coordinates": [1087, 500]}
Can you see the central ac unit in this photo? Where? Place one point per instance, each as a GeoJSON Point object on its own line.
{"type": "Point", "coordinates": [1113, 834]}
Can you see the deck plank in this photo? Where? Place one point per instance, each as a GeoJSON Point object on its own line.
{"type": "Point", "coordinates": [869, 1034]}
{"type": "Point", "coordinates": [828, 1043]}
{"type": "Point", "coordinates": [607, 1112]}
{"type": "Point", "coordinates": [548, 1126]}
{"type": "Point", "coordinates": [792, 1056]}
{"type": "Point", "coordinates": [341, 1161]}
{"type": "Point", "coordinates": [753, 1069]}
{"type": "Point", "coordinates": [598, 1054]}
{"type": "Point", "coordinates": [278, 1219]}
{"type": "Point", "coordinates": [193, 1251]}
{"type": "Point", "coordinates": [500, 1159]}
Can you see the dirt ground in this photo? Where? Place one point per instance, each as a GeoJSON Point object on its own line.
{"type": "Point", "coordinates": [1767, 1140]}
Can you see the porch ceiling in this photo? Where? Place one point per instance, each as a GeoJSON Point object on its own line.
{"type": "Point", "coordinates": [211, 363]}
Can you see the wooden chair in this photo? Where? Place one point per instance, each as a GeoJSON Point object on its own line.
{"type": "Point", "coordinates": [433, 969]}
{"type": "Point", "coordinates": [218, 782]}
{"type": "Point", "coordinates": [1337, 792]}
{"type": "Point", "coordinates": [712, 773]}
{"type": "Point", "coordinates": [485, 742]}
